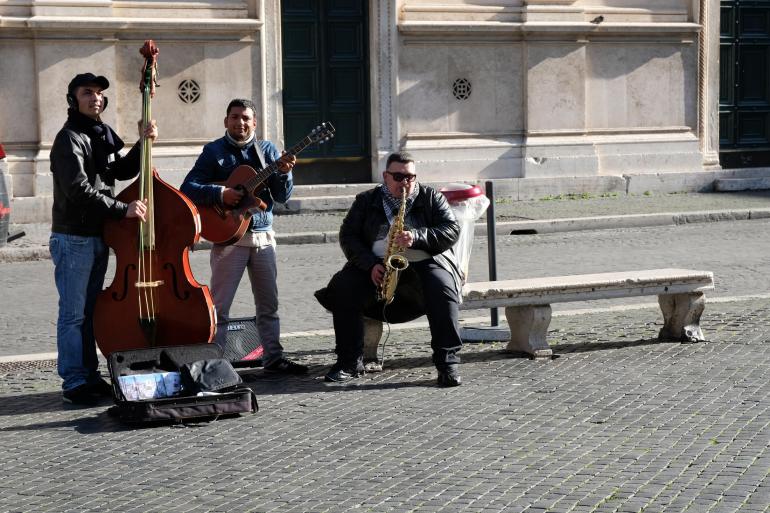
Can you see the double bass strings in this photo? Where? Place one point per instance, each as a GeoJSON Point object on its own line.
{"type": "Point", "coordinates": [147, 285]}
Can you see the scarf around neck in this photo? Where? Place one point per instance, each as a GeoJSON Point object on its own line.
{"type": "Point", "coordinates": [240, 144]}
{"type": "Point", "coordinates": [97, 130]}
{"type": "Point", "coordinates": [392, 204]}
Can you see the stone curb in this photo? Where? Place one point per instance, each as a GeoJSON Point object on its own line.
{"type": "Point", "coordinates": [622, 221]}
{"type": "Point", "coordinates": [530, 227]}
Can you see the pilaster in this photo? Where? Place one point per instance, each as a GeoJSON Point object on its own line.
{"type": "Point", "coordinates": [271, 74]}
{"type": "Point", "coordinates": [384, 51]}
{"type": "Point", "coordinates": [708, 77]}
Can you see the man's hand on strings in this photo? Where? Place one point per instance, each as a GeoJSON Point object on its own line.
{"type": "Point", "coordinates": [150, 131]}
{"type": "Point", "coordinates": [137, 208]}
{"type": "Point", "coordinates": [231, 197]}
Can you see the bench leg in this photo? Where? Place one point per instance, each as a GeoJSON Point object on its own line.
{"type": "Point", "coordinates": [529, 326]}
{"type": "Point", "coordinates": [372, 336]}
{"type": "Point", "coordinates": [681, 316]}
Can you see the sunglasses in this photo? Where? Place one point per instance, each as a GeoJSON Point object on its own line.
{"type": "Point", "coordinates": [400, 177]}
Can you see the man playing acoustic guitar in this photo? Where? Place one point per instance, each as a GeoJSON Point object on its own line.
{"type": "Point", "coordinates": [255, 250]}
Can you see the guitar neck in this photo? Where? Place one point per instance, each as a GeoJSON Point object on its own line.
{"type": "Point", "coordinates": [264, 174]}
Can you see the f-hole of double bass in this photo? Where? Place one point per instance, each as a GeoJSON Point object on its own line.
{"type": "Point", "coordinates": [172, 270]}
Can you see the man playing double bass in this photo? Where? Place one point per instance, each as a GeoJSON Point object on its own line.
{"type": "Point", "coordinates": [255, 250]}
{"type": "Point", "coordinates": [85, 162]}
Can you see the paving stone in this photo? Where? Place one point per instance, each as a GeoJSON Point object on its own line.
{"type": "Point", "coordinates": [618, 422]}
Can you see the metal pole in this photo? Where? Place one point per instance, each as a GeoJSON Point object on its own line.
{"type": "Point", "coordinates": [491, 242]}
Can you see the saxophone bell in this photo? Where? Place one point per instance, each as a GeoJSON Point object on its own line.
{"type": "Point", "coordinates": [397, 262]}
{"type": "Point", "coordinates": [393, 267]}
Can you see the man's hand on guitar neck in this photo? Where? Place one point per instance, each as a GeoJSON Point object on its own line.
{"type": "Point", "coordinates": [287, 162]}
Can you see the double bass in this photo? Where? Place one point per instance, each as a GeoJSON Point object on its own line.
{"type": "Point", "coordinates": [153, 299]}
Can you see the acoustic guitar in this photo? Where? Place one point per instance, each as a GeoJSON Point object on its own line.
{"type": "Point", "coordinates": [223, 224]}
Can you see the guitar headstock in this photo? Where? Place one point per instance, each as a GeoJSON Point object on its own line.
{"type": "Point", "coordinates": [322, 133]}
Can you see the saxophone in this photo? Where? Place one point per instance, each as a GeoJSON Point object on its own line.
{"type": "Point", "coordinates": [394, 261]}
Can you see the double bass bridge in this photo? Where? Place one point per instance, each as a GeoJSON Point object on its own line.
{"type": "Point", "coordinates": [148, 284]}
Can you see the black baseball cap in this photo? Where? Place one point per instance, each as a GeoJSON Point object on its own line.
{"type": "Point", "coordinates": [85, 79]}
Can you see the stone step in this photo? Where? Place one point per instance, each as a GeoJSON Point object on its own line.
{"type": "Point", "coordinates": [330, 190]}
{"type": "Point", "coordinates": [741, 184]}
{"type": "Point", "coordinates": [303, 205]}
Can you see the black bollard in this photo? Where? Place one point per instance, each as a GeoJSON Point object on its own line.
{"type": "Point", "coordinates": [491, 242]}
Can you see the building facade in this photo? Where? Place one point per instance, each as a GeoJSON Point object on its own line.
{"type": "Point", "coordinates": [574, 91]}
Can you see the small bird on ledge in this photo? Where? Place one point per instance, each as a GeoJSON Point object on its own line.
{"type": "Point", "coordinates": [597, 20]}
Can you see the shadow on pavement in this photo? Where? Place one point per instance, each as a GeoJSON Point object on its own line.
{"type": "Point", "coordinates": [604, 346]}
{"type": "Point", "coordinates": [98, 420]}
{"type": "Point", "coordinates": [392, 377]}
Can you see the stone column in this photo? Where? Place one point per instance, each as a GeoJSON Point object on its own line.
{"type": "Point", "coordinates": [271, 74]}
{"type": "Point", "coordinates": [383, 56]}
{"type": "Point", "coordinates": [708, 77]}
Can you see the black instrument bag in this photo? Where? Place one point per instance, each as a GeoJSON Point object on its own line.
{"type": "Point", "coordinates": [176, 383]}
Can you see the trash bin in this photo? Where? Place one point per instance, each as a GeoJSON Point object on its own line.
{"type": "Point", "coordinates": [5, 201]}
{"type": "Point", "coordinates": [468, 204]}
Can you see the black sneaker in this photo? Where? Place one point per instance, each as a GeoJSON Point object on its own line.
{"type": "Point", "coordinates": [81, 396]}
{"type": "Point", "coordinates": [449, 376]}
{"type": "Point", "coordinates": [337, 375]}
{"type": "Point", "coordinates": [100, 388]}
{"type": "Point", "coordinates": [285, 366]}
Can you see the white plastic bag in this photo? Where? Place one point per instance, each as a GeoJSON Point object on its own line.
{"type": "Point", "coordinates": [467, 211]}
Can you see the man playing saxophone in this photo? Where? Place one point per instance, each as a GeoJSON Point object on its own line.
{"type": "Point", "coordinates": [424, 234]}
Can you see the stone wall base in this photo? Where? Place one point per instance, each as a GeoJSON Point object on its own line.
{"type": "Point", "coordinates": [37, 209]}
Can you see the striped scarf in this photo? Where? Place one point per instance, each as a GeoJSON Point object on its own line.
{"type": "Point", "coordinates": [391, 204]}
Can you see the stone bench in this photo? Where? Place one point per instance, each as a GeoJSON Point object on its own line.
{"type": "Point", "coordinates": [528, 302]}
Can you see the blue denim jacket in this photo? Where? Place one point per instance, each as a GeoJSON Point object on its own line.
{"type": "Point", "coordinates": [218, 160]}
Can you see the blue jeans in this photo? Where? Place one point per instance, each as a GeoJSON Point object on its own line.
{"type": "Point", "coordinates": [80, 264]}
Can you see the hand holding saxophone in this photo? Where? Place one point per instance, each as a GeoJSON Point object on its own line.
{"type": "Point", "coordinates": [405, 239]}
{"type": "Point", "coordinates": [378, 272]}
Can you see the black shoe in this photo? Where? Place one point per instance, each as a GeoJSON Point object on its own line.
{"type": "Point", "coordinates": [80, 395]}
{"type": "Point", "coordinates": [449, 376]}
{"type": "Point", "coordinates": [337, 375]}
{"type": "Point", "coordinates": [100, 388]}
{"type": "Point", "coordinates": [285, 366]}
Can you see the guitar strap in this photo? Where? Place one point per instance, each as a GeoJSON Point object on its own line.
{"type": "Point", "coordinates": [260, 155]}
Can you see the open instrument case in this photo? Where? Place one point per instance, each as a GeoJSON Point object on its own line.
{"type": "Point", "coordinates": [177, 408]}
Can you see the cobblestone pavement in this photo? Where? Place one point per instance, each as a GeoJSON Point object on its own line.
{"type": "Point", "coordinates": [618, 422]}
{"type": "Point", "coordinates": [735, 251]}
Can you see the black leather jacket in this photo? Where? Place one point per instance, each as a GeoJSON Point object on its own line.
{"type": "Point", "coordinates": [82, 176]}
{"type": "Point", "coordinates": [430, 218]}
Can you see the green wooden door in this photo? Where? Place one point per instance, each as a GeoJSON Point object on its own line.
{"type": "Point", "coordinates": [325, 78]}
{"type": "Point", "coordinates": [744, 92]}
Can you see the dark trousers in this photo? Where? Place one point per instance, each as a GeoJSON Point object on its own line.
{"type": "Point", "coordinates": [353, 295]}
